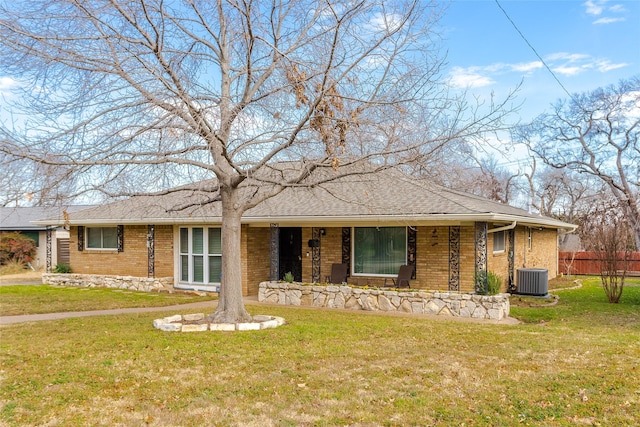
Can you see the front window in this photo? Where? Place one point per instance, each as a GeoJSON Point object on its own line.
{"type": "Point", "coordinates": [379, 251]}
{"type": "Point", "coordinates": [498, 241]}
{"type": "Point", "coordinates": [200, 255]}
{"type": "Point", "coordinates": [102, 237]}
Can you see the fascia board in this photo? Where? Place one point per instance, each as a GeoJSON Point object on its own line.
{"type": "Point", "coordinates": [444, 219]}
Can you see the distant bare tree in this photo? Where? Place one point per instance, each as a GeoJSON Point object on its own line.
{"type": "Point", "coordinates": [595, 134]}
{"type": "Point", "coordinates": [606, 232]}
{"type": "Point", "coordinates": [27, 183]}
{"type": "Point", "coordinates": [198, 89]}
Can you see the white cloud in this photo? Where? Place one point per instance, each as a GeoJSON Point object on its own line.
{"type": "Point", "coordinates": [603, 21]}
{"type": "Point", "coordinates": [564, 56]}
{"type": "Point", "coordinates": [569, 71]}
{"type": "Point", "coordinates": [387, 22]}
{"type": "Point", "coordinates": [594, 7]}
{"type": "Point", "coordinates": [617, 8]}
{"type": "Point", "coordinates": [469, 78]}
{"type": "Point", "coordinates": [600, 7]}
{"type": "Point", "coordinates": [526, 67]}
{"type": "Point", "coordinates": [605, 65]}
{"type": "Point", "coordinates": [7, 83]}
{"type": "Point", "coordinates": [571, 64]}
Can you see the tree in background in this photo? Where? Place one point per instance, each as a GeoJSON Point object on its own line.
{"type": "Point", "coordinates": [606, 232]}
{"type": "Point", "coordinates": [595, 134]}
{"type": "Point", "coordinates": [140, 95]}
{"type": "Point", "coordinates": [562, 193]}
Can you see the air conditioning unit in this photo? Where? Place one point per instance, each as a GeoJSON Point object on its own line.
{"type": "Point", "coordinates": [533, 281]}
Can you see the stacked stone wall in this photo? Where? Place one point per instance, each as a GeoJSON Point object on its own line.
{"type": "Point", "coordinates": [143, 284]}
{"type": "Point", "coordinates": [495, 307]}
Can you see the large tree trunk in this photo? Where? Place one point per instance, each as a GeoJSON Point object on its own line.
{"type": "Point", "coordinates": [231, 305]}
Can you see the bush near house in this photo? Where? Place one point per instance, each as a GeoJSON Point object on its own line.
{"type": "Point", "coordinates": [16, 247]}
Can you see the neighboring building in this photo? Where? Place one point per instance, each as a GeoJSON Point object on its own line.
{"type": "Point", "coordinates": [373, 223]}
{"type": "Point", "coordinates": [52, 240]}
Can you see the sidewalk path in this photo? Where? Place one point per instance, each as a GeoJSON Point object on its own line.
{"type": "Point", "coordinates": [7, 320]}
{"type": "Point", "coordinates": [209, 306]}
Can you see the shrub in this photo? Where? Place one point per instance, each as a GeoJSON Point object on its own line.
{"type": "Point", "coordinates": [494, 283]}
{"type": "Point", "coordinates": [16, 247]}
{"type": "Point", "coordinates": [488, 283]}
{"type": "Point", "coordinates": [288, 277]}
{"type": "Point", "coordinates": [62, 268]}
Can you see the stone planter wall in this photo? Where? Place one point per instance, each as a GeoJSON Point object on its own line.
{"type": "Point", "coordinates": [495, 307]}
{"type": "Point", "coordinates": [144, 284]}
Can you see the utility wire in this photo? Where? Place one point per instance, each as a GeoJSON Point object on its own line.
{"type": "Point", "coordinates": [536, 52]}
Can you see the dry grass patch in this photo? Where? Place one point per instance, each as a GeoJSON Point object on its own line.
{"type": "Point", "coordinates": [329, 368]}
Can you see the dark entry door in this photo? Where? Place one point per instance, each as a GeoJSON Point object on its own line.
{"type": "Point", "coordinates": [290, 259]}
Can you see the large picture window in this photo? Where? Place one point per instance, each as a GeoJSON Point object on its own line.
{"type": "Point", "coordinates": [102, 237]}
{"type": "Point", "coordinates": [379, 251]}
{"type": "Point", "coordinates": [200, 255]}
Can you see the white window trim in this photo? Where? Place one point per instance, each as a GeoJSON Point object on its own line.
{"type": "Point", "coordinates": [190, 284]}
{"type": "Point", "coordinates": [86, 239]}
{"type": "Point", "coordinates": [353, 257]}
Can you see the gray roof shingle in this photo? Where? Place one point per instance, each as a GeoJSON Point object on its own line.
{"type": "Point", "coordinates": [386, 196]}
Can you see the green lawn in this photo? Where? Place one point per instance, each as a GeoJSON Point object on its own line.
{"type": "Point", "coordinates": [37, 299]}
{"type": "Point", "coordinates": [575, 363]}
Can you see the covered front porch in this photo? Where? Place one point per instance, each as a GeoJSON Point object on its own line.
{"type": "Point", "coordinates": [445, 257]}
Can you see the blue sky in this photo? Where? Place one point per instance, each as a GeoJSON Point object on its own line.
{"type": "Point", "coordinates": [587, 44]}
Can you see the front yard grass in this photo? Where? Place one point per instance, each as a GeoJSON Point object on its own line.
{"type": "Point", "coordinates": [575, 363]}
{"type": "Point", "coordinates": [38, 299]}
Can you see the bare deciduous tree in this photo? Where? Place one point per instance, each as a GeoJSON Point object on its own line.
{"type": "Point", "coordinates": [199, 89]}
{"type": "Point", "coordinates": [595, 134]}
{"type": "Point", "coordinates": [606, 232]}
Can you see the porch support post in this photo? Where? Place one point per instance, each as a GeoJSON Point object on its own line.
{"type": "Point", "coordinates": [315, 256]}
{"type": "Point", "coordinates": [481, 239]}
{"type": "Point", "coordinates": [274, 253]}
{"type": "Point", "coordinates": [49, 255]}
{"type": "Point", "coordinates": [412, 243]}
{"type": "Point", "coordinates": [151, 250]}
{"type": "Point", "coordinates": [454, 258]}
{"type": "Point", "coordinates": [346, 248]}
{"type": "Point", "coordinates": [511, 284]}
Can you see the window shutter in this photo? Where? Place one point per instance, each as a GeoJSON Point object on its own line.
{"type": "Point", "coordinates": [80, 238]}
{"type": "Point", "coordinates": [411, 249]}
{"type": "Point", "coordinates": [120, 232]}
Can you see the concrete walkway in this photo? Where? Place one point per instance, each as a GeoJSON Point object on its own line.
{"type": "Point", "coordinates": [209, 306]}
{"type": "Point", "coordinates": [7, 320]}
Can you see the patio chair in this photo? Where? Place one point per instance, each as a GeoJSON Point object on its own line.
{"type": "Point", "coordinates": [338, 274]}
{"type": "Point", "coordinates": [404, 276]}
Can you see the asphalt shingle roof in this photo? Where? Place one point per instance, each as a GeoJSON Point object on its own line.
{"type": "Point", "coordinates": [387, 195]}
{"type": "Point", "coordinates": [20, 218]}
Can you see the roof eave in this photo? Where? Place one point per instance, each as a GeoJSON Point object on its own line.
{"type": "Point", "coordinates": [333, 220]}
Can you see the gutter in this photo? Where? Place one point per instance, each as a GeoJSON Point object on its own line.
{"type": "Point", "coordinates": [305, 220]}
{"type": "Point", "coordinates": [506, 227]}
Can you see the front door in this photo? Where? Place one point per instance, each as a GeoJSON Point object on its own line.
{"type": "Point", "coordinates": [290, 258]}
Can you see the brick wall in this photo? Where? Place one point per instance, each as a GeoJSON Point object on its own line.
{"type": "Point", "coordinates": [256, 261]}
{"type": "Point", "coordinates": [132, 261]}
{"type": "Point", "coordinates": [432, 255]}
{"type": "Point", "coordinates": [542, 254]}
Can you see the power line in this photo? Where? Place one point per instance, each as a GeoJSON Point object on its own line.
{"type": "Point", "coordinates": [536, 52]}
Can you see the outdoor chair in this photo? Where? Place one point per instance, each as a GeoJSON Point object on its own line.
{"type": "Point", "coordinates": [338, 274]}
{"type": "Point", "coordinates": [404, 276]}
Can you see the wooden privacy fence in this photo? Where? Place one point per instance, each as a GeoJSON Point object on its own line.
{"type": "Point", "coordinates": [588, 263]}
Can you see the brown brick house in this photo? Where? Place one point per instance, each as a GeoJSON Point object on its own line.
{"type": "Point", "coordinates": [374, 223]}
